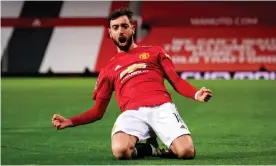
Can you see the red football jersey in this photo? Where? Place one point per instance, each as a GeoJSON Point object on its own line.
{"type": "Point", "coordinates": [137, 77]}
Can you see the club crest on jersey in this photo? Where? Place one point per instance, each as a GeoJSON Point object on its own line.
{"type": "Point", "coordinates": [144, 56]}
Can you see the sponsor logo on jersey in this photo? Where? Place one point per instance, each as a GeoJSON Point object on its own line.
{"type": "Point", "coordinates": [133, 68]}
{"type": "Point", "coordinates": [144, 56]}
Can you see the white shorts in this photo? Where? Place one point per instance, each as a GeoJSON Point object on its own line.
{"type": "Point", "coordinates": [163, 120]}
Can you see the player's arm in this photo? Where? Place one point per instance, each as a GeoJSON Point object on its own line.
{"type": "Point", "coordinates": [89, 116]}
{"type": "Point", "coordinates": [182, 86]}
{"type": "Point", "coordinates": [102, 95]}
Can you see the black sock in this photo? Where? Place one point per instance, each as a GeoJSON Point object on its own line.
{"type": "Point", "coordinates": [142, 150]}
{"type": "Point", "coordinates": [168, 154]}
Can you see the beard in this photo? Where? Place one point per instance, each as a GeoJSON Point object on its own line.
{"type": "Point", "coordinates": [126, 41]}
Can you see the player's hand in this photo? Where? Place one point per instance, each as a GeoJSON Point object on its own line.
{"type": "Point", "coordinates": [59, 122]}
{"type": "Point", "coordinates": [204, 95]}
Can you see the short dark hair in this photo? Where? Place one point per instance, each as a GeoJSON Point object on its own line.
{"type": "Point", "coordinates": [120, 12]}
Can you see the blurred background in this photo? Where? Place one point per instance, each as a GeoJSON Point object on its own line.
{"type": "Point", "coordinates": [52, 52]}
{"type": "Point", "coordinates": [217, 38]}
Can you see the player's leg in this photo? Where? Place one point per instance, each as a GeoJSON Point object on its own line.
{"type": "Point", "coordinates": [183, 147]}
{"type": "Point", "coordinates": [172, 131]}
{"type": "Point", "coordinates": [129, 130]}
{"type": "Point", "coordinates": [125, 146]}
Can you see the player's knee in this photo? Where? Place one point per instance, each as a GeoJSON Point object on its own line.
{"type": "Point", "coordinates": [186, 152]}
{"type": "Point", "coordinates": [121, 151]}
{"type": "Point", "coordinates": [123, 145]}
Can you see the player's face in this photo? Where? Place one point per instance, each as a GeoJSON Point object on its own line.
{"type": "Point", "coordinates": [121, 31]}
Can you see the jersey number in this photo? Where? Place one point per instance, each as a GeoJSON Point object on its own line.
{"type": "Point", "coordinates": [178, 118]}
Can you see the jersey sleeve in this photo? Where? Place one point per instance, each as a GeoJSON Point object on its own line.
{"type": "Point", "coordinates": [163, 55]}
{"type": "Point", "coordinates": [181, 86]}
{"type": "Point", "coordinates": [166, 63]}
{"type": "Point", "coordinates": [104, 87]}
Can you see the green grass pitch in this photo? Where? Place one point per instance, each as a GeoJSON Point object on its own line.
{"type": "Point", "coordinates": [238, 126]}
